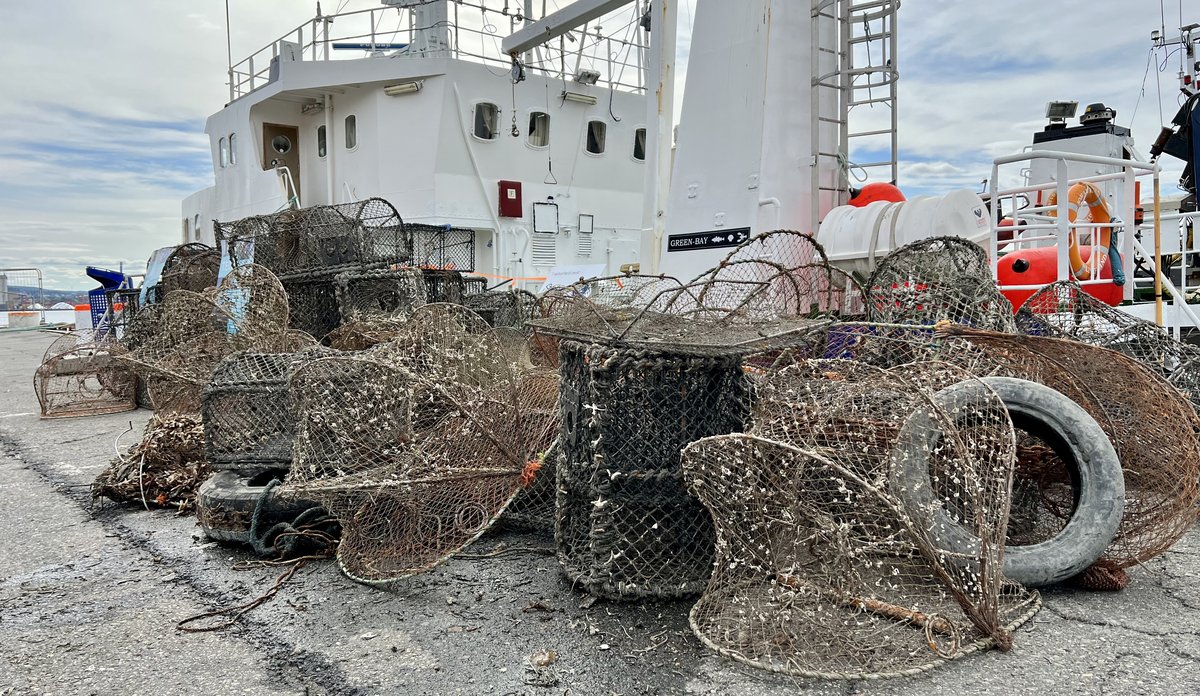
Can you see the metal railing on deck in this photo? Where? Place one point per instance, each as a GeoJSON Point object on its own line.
{"type": "Point", "coordinates": [1033, 225]}
{"type": "Point", "coordinates": [473, 32]}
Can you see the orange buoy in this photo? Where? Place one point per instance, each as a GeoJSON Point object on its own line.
{"type": "Point", "coordinates": [1086, 200]}
{"type": "Point", "coordinates": [1040, 267]}
{"type": "Point", "coordinates": [878, 191]}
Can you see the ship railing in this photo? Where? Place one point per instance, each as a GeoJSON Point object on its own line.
{"type": "Point", "coordinates": [472, 32]}
{"type": "Point", "coordinates": [1020, 219]}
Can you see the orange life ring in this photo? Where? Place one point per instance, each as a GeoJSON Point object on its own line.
{"type": "Point", "coordinates": [1086, 198]}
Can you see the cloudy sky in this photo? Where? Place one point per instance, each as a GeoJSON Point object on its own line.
{"type": "Point", "coordinates": [105, 103]}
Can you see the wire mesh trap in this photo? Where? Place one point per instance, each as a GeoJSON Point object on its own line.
{"type": "Point", "coordinates": [852, 544]}
{"type": "Point", "coordinates": [936, 279]}
{"type": "Point", "coordinates": [319, 238]}
{"type": "Point", "coordinates": [176, 347]}
{"type": "Point", "coordinates": [164, 469]}
{"type": "Point", "coordinates": [248, 421]}
{"type": "Point", "coordinates": [388, 293]}
{"type": "Point", "coordinates": [1064, 310]}
{"type": "Point", "coordinates": [417, 445]}
{"type": "Point", "coordinates": [78, 377]}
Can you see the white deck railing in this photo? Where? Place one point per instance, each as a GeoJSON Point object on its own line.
{"type": "Point", "coordinates": [1033, 225]}
{"type": "Point", "coordinates": [473, 31]}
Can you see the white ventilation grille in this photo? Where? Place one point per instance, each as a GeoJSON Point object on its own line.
{"type": "Point", "coordinates": [545, 250]}
{"type": "Point", "coordinates": [585, 244]}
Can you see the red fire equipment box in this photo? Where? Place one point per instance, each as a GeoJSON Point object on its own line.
{"type": "Point", "coordinates": [510, 199]}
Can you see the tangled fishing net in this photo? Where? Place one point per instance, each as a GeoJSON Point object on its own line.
{"type": "Point", "coordinates": [80, 377]}
{"type": "Point", "coordinates": [1064, 310]}
{"type": "Point", "coordinates": [175, 348]}
{"type": "Point", "coordinates": [936, 279]}
{"type": "Point", "coordinates": [648, 365]}
{"type": "Point", "coordinates": [860, 523]}
{"type": "Point", "coordinates": [164, 469]}
{"type": "Point", "coordinates": [418, 444]}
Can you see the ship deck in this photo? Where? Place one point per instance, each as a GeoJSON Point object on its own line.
{"type": "Point", "coordinates": [90, 595]}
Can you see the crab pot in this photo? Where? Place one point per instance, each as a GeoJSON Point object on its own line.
{"type": "Point", "coordinates": [444, 286]}
{"type": "Point", "coordinates": [312, 302]}
{"type": "Point", "coordinates": [83, 381]}
{"type": "Point", "coordinates": [625, 524]}
{"type": "Point", "coordinates": [503, 308]}
{"type": "Point", "coordinates": [381, 292]}
{"type": "Point", "coordinates": [248, 421]}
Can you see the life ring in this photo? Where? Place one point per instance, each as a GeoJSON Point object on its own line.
{"type": "Point", "coordinates": [1086, 197]}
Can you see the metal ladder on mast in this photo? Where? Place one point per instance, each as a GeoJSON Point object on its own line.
{"type": "Point", "coordinates": [854, 47]}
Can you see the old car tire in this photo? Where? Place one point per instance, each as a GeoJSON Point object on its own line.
{"type": "Point", "coordinates": [1076, 438]}
{"type": "Point", "coordinates": [226, 501]}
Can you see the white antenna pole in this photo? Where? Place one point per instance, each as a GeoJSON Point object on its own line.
{"type": "Point", "coordinates": [228, 51]}
{"type": "Point", "coordinates": [660, 117]}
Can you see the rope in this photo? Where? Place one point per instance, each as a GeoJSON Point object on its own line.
{"type": "Point", "coordinates": [286, 539]}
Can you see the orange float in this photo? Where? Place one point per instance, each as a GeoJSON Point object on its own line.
{"type": "Point", "coordinates": [1040, 267]}
{"type": "Point", "coordinates": [878, 191]}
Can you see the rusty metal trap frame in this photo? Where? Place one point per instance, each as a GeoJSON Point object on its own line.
{"type": "Point", "coordinates": [860, 523]}
{"type": "Point", "coordinates": [411, 495]}
{"type": "Point", "coordinates": [938, 279]}
{"type": "Point", "coordinates": [1064, 310]}
{"type": "Point", "coordinates": [442, 285]}
{"type": "Point", "coordinates": [417, 445]}
{"type": "Point", "coordinates": [1151, 425]}
{"type": "Point", "coordinates": [319, 238]}
{"type": "Point", "coordinates": [748, 303]}
{"type": "Point", "coordinates": [248, 421]}
{"type": "Point", "coordinates": [176, 347]}
{"type": "Point", "coordinates": [385, 292]}
{"type": "Point", "coordinates": [81, 377]}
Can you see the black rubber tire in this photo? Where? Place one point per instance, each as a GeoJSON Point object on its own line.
{"type": "Point", "coordinates": [226, 503]}
{"type": "Point", "coordinates": [1076, 437]}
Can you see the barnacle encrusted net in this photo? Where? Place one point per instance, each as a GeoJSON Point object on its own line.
{"type": "Point", "coordinates": [192, 266]}
{"type": "Point", "coordinates": [175, 348]}
{"type": "Point", "coordinates": [248, 421]}
{"type": "Point", "coordinates": [935, 279]}
{"type": "Point", "coordinates": [1160, 454]}
{"type": "Point", "coordinates": [418, 444]}
{"type": "Point", "coordinates": [648, 365]}
{"type": "Point", "coordinates": [390, 293]}
{"type": "Point", "coordinates": [860, 523]}
{"type": "Point", "coordinates": [80, 377]}
{"type": "Point", "coordinates": [504, 308]}
{"type": "Point", "coordinates": [1064, 310]}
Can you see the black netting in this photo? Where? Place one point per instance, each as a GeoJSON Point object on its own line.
{"type": "Point", "coordinates": [442, 246]}
{"type": "Point", "coordinates": [626, 526]}
{"type": "Point", "coordinates": [381, 293]}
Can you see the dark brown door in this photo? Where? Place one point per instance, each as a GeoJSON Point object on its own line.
{"type": "Point", "coordinates": [281, 147]}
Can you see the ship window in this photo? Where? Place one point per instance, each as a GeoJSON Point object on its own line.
{"type": "Point", "coordinates": [196, 226]}
{"type": "Point", "coordinates": [224, 148]}
{"type": "Point", "coordinates": [539, 129]}
{"type": "Point", "coordinates": [487, 121]}
{"type": "Point", "coordinates": [233, 148]}
{"type": "Point", "coordinates": [321, 141]}
{"type": "Point", "coordinates": [281, 144]}
{"type": "Point", "coordinates": [351, 132]}
{"type": "Point", "coordinates": [639, 144]}
{"type": "Point", "coordinates": [595, 137]}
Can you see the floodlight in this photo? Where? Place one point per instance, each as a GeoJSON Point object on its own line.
{"type": "Point", "coordinates": [587, 77]}
{"type": "Point", "coordinates": [1061, 110]}
{"type": "Point", "coordinates": [403, 88]}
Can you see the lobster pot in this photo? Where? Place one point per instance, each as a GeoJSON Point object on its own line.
{"type": "Point", "coordinates": [312, 303]}
{"type": "Point", "coordinates": [440, 246]}
{"type": "Point", "coordinates": [504, 308]}
{"type": "Point", "coordinates": [248, 422]}
{"type": "Point", "coordinates": [444, 286]}
{"type": "Point", "coordinates": [82, 380]}
{"type": "Point", "coordinates": [382, 292]}
{"type": "Point", "coordinates": [625, 524]}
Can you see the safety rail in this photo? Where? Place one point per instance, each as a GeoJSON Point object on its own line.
{"type": "Point", "coordinates": [1032, 224]}
{"type": "Point", "coordinates": [470, 31]}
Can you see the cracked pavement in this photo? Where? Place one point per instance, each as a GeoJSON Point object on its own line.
{"type": "Point", "coordinates": [90, 595]}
